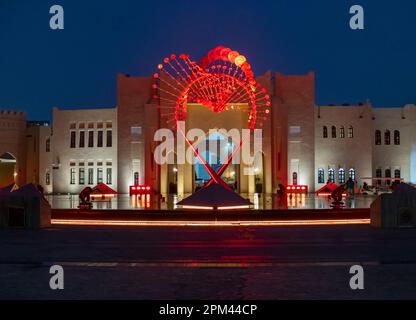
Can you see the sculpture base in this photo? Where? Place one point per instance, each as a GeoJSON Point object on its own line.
{"type": "Point", "coordinates": [215, 197]}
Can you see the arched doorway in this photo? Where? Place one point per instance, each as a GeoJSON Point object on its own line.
{"type": "Point", "coordinates": [259, 173]}
{"type": "Point", "coordinates": [215, 159]}
{"type": "Point", "coordinates": [8, 169]}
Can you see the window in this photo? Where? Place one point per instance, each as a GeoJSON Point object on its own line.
{"type": "Point", "coordinates": [331, 175]}
{"type": "Point", "coordinates": [294, 130]}
{"type": "Point", "coordinates": [379, 175]}
{"type": "Point", "coordinates": [396, 137]}
{"type": "Point", "coordinates": [334, 132]}
{"type": "Point", "coordinates": [136, 178]}
{"type": "Point", "coordinates": [387, 137]}
{"type": "Point", "coordinates": [100, 139]}
{"type": "Point", "coordinates": [378, 137]}
{"type": "Point", "coordinates": [99, 125]}
{"type": "Point", "coordinates": [325, 132]}
{"type": "Point", "coordinates": [321, 175]}
{"type": "Point", "coordinates": [90, 139]}
{"type": "Point", "coordinates": [109, 138]}
{"type": "Point", "coordinates": [136, 131]}
{"type": "Point", "coordinates": [81, 176]}
{"type": "Point", "coordinates": [48, 145]}
{"type": "Point", "coordinates": [350, 132]}
{"type": "Point", "coordinates": [341, 175]}
{"type": "Point", "coordinates": [72, 176]}
{"type": "Point", "coordinates": [73, 139]}
{"type": "Point", "coordinates": [342, 132]}
{"type": "Point", "coordinates": [388, 175]}
{"type": "Point", "coordinates": [90, 176]}
{"type": "Point", "coordinates": [99, 175]}
{"type": "Point", "coordinates": [82, 139]}
{"type": "Point", "coordinates": [48, 178]}
{"type": "Point", "coordinates": [351, 173]}
{"type": "Point", "coordinates": [397, 175]}
{"type": "Point", "coordinates": [72, 125]}
{"type": "Point", "coordinates": [109, 176]}
{"type": "Point", "coordinates": [109, 124]}
{"type": "Point", "coordinates": [295, 178]}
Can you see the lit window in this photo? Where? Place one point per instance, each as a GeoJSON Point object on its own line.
{"type": "Point", "coordinates": [351, 173]}
{"type": "Point", "coordinates": [81, 176]}
{"type": "Point", "coordinates": [341, 175]}
{"type": "Point", "coordinates": [325, 132]}
{"type": "Point", "coordinates": [342, 132]}
{"type": "Point", "coordinates": [109, 176]}
{"type": "Point", "coordinates": [99, 175]}
{"type": "Point", "coordinates": [387, 137]}
{"type": "Point", "coordinates": [378, 137]}
{"type": "Point", "coordinates": [331, 175]}
{"type": "Point", "coordinates": [334, 132]}
{"type": "Point", "coordinates": [48, 178]}
{"type": "Point", "coordinates": [350, 132]}
{"type": "Point", "coordinates": [72, 176]}
{"type": "Point", "coordinates": [90, 176]}
{"type": "Point", "coordinates": [397, 175]}
{"type": "Point", "coordinates": [396, 137]}
{"type": "Point", "coordinates": [321, 175]}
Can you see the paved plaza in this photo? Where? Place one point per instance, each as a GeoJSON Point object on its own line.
{"type": "Point", "coordinates": [208, 262]}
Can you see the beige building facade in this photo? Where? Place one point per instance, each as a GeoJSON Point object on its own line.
{"type": "Point", "coordinates": [302, 143]}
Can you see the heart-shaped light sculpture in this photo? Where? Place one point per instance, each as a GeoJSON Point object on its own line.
{"type": "Point", "coordinates": [223, 80]}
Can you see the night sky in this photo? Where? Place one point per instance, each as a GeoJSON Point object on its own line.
{"type": "Point", "coordinates": [77, 67]}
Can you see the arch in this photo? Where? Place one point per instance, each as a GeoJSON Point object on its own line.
{"type": "Point", "coordinates": [321, 175]}
{"type": "Point", "coordinates": [341, 175]}
{"type": "Point", "coordinates": [8, 169]}
{"type": "Point", "coordinates": [334, 132]}
{"type": "Point", "coordinates": [172, 175]}
{"type": "Point", "coordinates": [259, 172]}
{"type": "Point", "coordinates": [325, 132]}
{"type": "Point", "coordinates": [352, 173]}
{"type": "Point", "coordinates": [331, 175]}
{"type": "Point", "coordinates": [201, 176]}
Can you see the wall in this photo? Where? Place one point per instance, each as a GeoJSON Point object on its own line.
{"type": "Point", "coordinates": [65, 121]}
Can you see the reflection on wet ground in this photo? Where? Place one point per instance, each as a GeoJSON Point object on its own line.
{"type": "Point", "coordinates": [260, 201]}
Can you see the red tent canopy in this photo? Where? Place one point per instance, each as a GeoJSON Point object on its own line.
{"type": "Point", "coordinates": [103, 189]}
{"type": "Point", "coordinates": [328, 188]}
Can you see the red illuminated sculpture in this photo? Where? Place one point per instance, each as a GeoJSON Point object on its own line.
{"type": "Point", "coordinates": [222, 79]}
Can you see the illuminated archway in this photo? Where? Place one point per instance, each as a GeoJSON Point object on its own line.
{"type": "Point", "coordinates": [8, 169]}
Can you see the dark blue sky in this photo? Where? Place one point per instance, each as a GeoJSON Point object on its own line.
{"type": "Point", "coordinates": [77, 67]}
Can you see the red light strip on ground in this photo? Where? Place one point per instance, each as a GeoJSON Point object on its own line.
{"type": "Point", "coordinates": [76, 222]}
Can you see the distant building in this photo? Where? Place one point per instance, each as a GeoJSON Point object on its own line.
{"type": "Point", "coordinates": [303, 144]}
